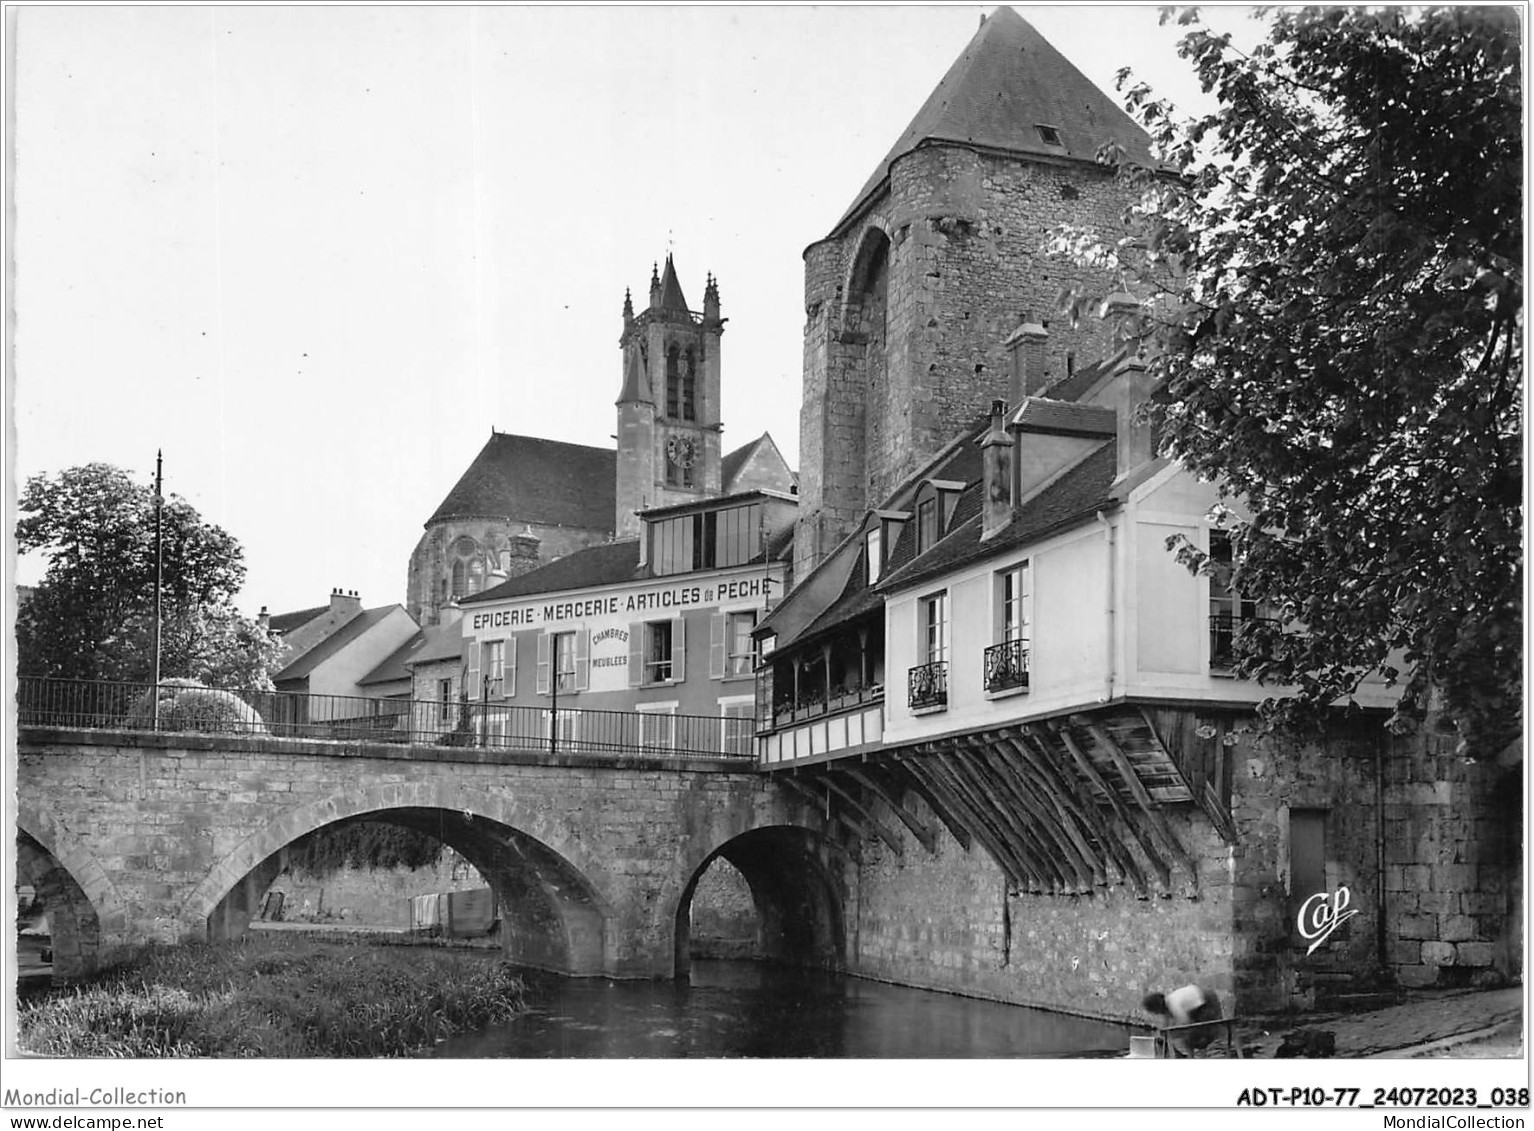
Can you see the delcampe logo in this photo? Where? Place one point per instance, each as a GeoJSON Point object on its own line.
{"type": "Point", "coordinates": [1322, 914]}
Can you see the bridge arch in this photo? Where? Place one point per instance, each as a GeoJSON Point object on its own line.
{"type": "Point", "coordinates": [84, 910]}
{"type": "Point", "coordinates": [555, 913]}
{"type": "Point", "coordinates": [797, 880]}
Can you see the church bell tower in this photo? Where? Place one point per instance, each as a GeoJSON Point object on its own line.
{"type": "Point", "coordinates": [668, 409]}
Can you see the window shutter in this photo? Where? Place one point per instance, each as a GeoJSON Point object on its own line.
{"type": "Point", "coordinates": [509, 680]}
{"type": "Point", "coordinates": [716, 646]}
{"type": "Point", "coordinates": [545, 648]}
{"type": "Point", "coordinates": [471, 682]}
{"type": "Point", "coordinates": [678, 650]}
{"type": "Point", "coordinates": [582, 659]}
{"type": "Point", "coordinates": [636, 654]}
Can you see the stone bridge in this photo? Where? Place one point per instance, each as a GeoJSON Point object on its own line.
{"type": "Point", "coordinates": [132, 837]}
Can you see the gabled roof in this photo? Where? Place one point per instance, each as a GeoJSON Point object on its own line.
{"type": "Point", "coordinates": [611, 563]}
{"type": "Point", "coordinates": [287, 622]}
{"type": "Point", "coordinates": [528, 479]}
{"type": "Point", "coordinates": [333, 643]}
{"type": "Point", "coordinates": [671, 297]}
{"type": "Point", "coordinates": [1076, 496]}
{"type": "Point", "coordinates": [733, 462]}
{"type": "Point", "coordinates": [437, 642]}
{"type": "Point", "coordinates": [1008, 82]}
{"type": "Point", "coordinates": [1062, 418]}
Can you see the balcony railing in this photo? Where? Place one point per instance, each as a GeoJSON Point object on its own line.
{"type": "Point", "coordinates": [928, 686]}
{"type": "Point", "coordinates": [1224, 631]}
{"type": "Point", "coordinates": [844, 699]}
{"type": "Point", "coordinates": [1006, 665]}
{"type": "Point", "coordinates": [92, 705]}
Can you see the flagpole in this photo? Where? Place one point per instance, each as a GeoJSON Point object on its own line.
{"type": "Point", "coordinates": [159, 574]}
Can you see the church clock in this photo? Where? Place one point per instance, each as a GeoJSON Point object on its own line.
{"type": "Point", "coordinates": [682, 451]}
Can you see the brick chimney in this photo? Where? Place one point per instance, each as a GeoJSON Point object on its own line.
{"type": "Point", "coordinates": [522, 555]}
{"type": "Point", "coordinates": [345, 602]}
{"type": "Point", "coordinates": [1026, 345]}
{"type": "Point", "coordinates": [1136, 441]}
{"type": "Point", "coordinates": [264, 620]}
{"type": "Point", "coordinates": [996, 465]}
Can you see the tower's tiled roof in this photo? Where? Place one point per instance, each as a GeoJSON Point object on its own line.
{"type": "Point", "coordinates": [671, 297]}
{"type": "Point", "coordinates": [531, 480]}
{"type": "Point", "coordinates": [1008, 82]}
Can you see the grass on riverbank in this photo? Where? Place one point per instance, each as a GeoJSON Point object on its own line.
{"type": "Point", "coordinates": [272, 997]}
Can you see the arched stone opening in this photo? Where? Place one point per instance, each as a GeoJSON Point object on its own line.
{"type": "Point", "coordinates": [551, 916]}
{"type": "Point", "coordinates": [865, 336]}
{"type": "Point", "coordinates": [74, 928]}
{"type": "Point", "coordinates": [798, 896]}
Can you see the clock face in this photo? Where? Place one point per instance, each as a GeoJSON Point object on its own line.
{"type": "Point", "coordinates": [681, 451]}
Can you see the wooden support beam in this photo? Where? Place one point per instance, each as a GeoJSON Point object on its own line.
{"type": "Point", "coordinates": [987, 818]}
{"type": "Point", "coordinates": [1048, 794]}
{"type": "Point", "coordinates": [821, 805]}
{"type": "Point", "coordinates": [1142, 798]}
{"type": "Point", "coordinates": [870, 782]}
{"type": "Point", "coordinates": [940, 809]}
{"type": "Point", "coordinates": [1045, 819]}
{"type": "Point", "coordinates": [1089, 771]}
{"type": "Point", "coordinates": [959, 796]}
{"type": "Point", "coordinates": [938, 786]}
{"type": "Point", "coordinates": [1203, 788]}
{"type": "Point", "coordinates": [1035, 742]}
{"type": "Point", "coordinates": [880, 829]}
{"type": "Point", "coordinates": [1026, 825]}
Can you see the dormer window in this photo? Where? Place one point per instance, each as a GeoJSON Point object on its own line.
{"type": "Point", "coordinates": [879, 540]}
{"type": "Point", "coordinates": [1049, 135]}
{"type": "Point", "coordinates": [935, 504]}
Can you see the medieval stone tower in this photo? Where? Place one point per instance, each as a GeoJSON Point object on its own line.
{"type": "Point", "coordinates": [933, 287]}
{"type": "Point", "coordinates": [668, 410]}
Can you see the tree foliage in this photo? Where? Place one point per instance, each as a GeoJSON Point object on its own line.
{"type": "Point", "coordinates": [1330, 300]}
{"type": "Point", "coordinates": [363, 845]}
{"type": "Point", "coordinates": [92, 616]}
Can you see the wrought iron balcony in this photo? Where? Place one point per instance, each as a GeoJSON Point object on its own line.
{"type": "Point", "coordinates": [928, 686]}
{"type": "Point", "coordinates": [1006, 665]}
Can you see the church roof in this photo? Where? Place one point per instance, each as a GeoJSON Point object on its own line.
{"type": "Point", "coordinates": [527, 479]}
{"type": "Point", "coordinates": [1005, 85]}
{"type": "Point", "coordinates": [671, 297]}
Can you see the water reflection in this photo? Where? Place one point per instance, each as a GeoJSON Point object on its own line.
{"type": "Point", "coordinates": [743, 1009]}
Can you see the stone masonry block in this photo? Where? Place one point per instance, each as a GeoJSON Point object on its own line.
{"type": "Point", "coordinates": [1457, 928]}
{"type": "Point", "coordinates": [1417, 977]}
{"type": "Point", "coordinates": [1474, 954]}
{"type": "Point", "coordinates": [1416, 926]}
{"type": "Point", "coordinates": [1438, 954]}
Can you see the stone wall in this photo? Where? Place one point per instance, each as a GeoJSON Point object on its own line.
{"type": "Point", "coordinates": [946, 921]}
{"type": "Point", "coordinates": [724, 918]}
{"type": "Point", "coordinates": [375, 897]}
{"type": "Point", "coordinates": [431, 561]}
{"type": "Point", "coordinates": [965, 234]}
{"type": "Point", "coordinates": [177, 836]}
{"type": "Point", "coordinates": [1450, 910]}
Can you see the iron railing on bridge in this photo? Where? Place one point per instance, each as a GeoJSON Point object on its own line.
{"type": "Point", "coordinates": [97, 705]}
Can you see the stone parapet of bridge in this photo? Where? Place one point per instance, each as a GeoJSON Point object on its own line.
{"type": "Point", "coordinates": [142, 836]}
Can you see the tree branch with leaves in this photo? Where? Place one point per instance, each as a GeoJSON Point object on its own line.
{"type": "Point", "coordinates": [1330, 304]}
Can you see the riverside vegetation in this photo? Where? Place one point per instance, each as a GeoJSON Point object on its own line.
{"type": "Point", "coordinates": [272, 998]}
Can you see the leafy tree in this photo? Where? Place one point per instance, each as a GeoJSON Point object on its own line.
{"type": "Point", "coordinates": [1330, 305]}
{"type": "Point", "coordinates": [92, 616]}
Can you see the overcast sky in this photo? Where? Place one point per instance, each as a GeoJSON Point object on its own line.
{"type": "Point", "coordinates": [317, 254]}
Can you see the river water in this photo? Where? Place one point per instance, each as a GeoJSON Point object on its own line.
{"type": "Point", "coordinates": [746, 1009]}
